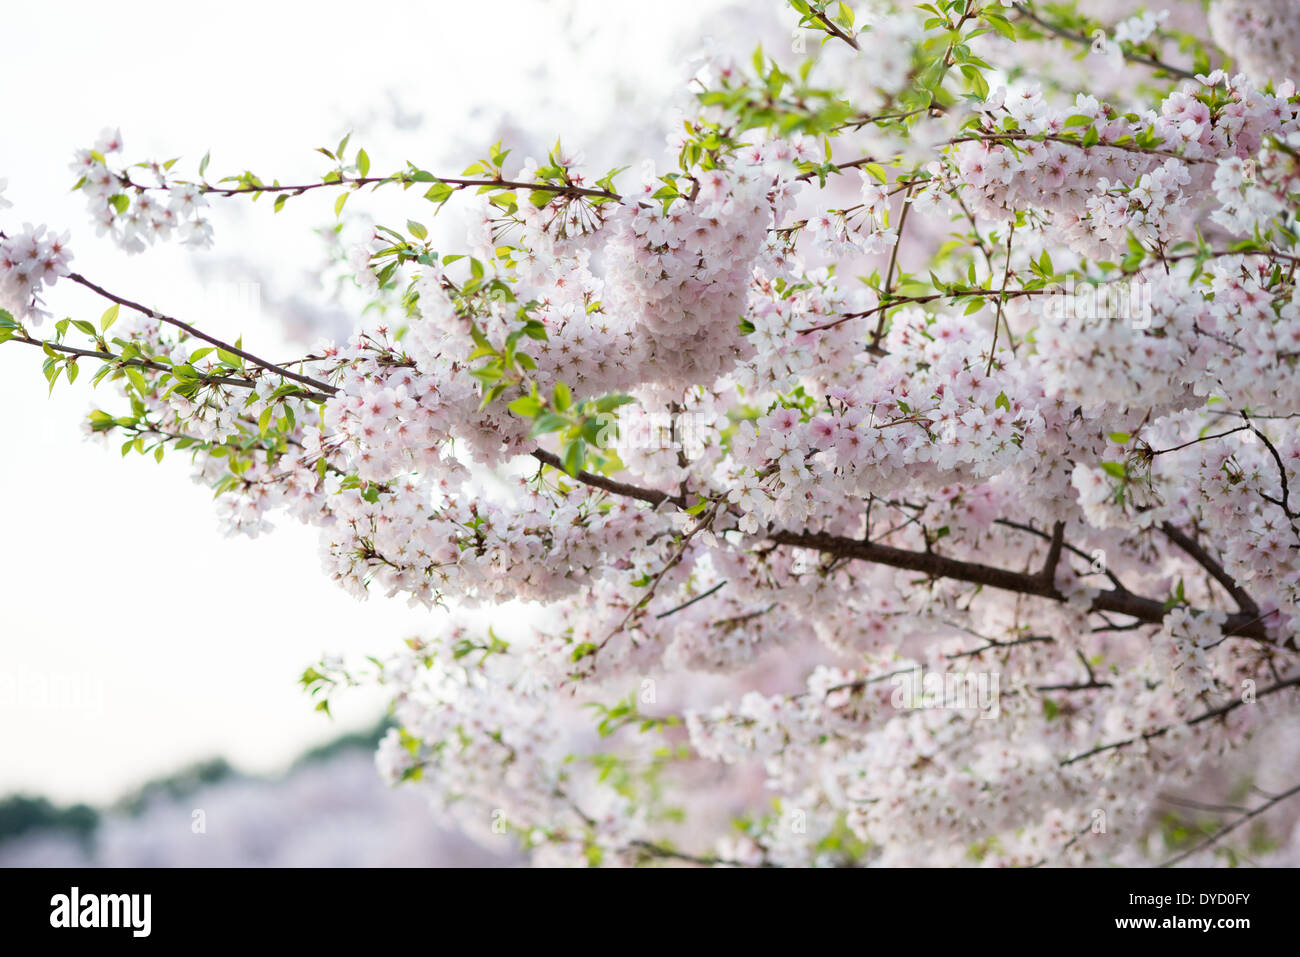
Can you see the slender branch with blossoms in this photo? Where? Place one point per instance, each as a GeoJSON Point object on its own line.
{"type": "Point", "coordinates": [967, 529]}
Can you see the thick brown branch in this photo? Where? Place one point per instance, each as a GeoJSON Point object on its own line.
{"type": "Point", "coordinates": [1207, 561]}
{"type": "Point", "coordinates": [651, 496]}
{"type": "Point", "coordinates": [1025, 583]}
{"type": "Point", "coordinates": [1117, 600]}
{"type": "Point", "coordinates": [1030, 530]}
{"type": "Point", "coordinates": [1054, 553]}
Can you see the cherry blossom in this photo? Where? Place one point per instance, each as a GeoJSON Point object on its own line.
{"type": "Point", "coordinates": [914, 460]}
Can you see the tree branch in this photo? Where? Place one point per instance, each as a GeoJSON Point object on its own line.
{"type": "Point", "coordinates": [834, 30]}
{"type": "Point", "coordinates": [650, 496]}
{"type": "Point", "coordinates": [398, 178]}
{"type": "Point", "coordinates": [1204, 716]}
{"type": "Point", "coordinates": [67, 350]}
{"type": "Point", "coordinates": [1054, 553]}
{"type": "Point", "coordinates": [198, 334]}
{"type": "Point", "coordinates": [1067, 34]}
{"type": "Point", "coordinates": [1214, 838]}
{"type": "Point", "coordinates": [939, 566]}
{"type": "Point", "coordinates": [1245, 603]}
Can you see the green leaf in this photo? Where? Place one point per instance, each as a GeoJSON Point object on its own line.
{"type": "Point", "coordinates": [550, 422]}
{"type": "Point", "coordinates": [608, 403]}
{"type": "Point", "coordinates": [575, 457]}
{"type": "Point", "coordinates": [439, 192]}
{"type": "Point", "coordinates": [1001, 25]}
{"type": "Point", "coordinates": [526, 406]}
{"type": "Point", "coordinates": [137, 380]}
{"type": "Point", "coordinates": [877, 171]}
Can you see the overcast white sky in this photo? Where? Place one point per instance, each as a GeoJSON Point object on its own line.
{"type": "Point", "coordinates": [133, 636]}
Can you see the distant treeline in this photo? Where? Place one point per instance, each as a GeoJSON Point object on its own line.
{"type": "Point", "coordinates": [21, 813]}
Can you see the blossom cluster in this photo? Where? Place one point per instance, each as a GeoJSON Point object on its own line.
{"type": "Point", "coordinates": [137, 214]}
{"type": "Point", "coordinates": [1098, 195]}
{"type": "Point", "coordinates": [30, 261]}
